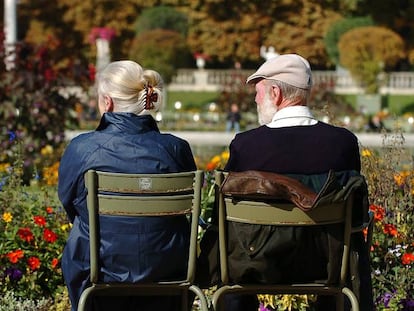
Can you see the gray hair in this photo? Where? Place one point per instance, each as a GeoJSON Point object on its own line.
{"type": "Point", "coordinates": [130, 87]}
{"type": "Point", "coordinates": [291, 92]}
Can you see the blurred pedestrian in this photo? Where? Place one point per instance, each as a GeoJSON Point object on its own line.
{"type": "Point", "coordinates": [233, 119]}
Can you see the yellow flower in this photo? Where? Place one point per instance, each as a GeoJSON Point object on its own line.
{"type": "Point", "coordinates": [4, 167]}
{"type": "Point", "coordinates": [48, 149]}
{"type": "Point", "coordinates": [65, 227]}
{"type": "Point", "coordinates": [366, 153]}
{"type": "Point", "coordinates": [225, 155]}
{"type": "Point", "coordinates": [216, 159]}
{"type": "Point", "coordinates": [7, 217]}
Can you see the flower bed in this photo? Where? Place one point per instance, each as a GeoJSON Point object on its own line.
{"type": "Point", "coordinates": [34, 228]}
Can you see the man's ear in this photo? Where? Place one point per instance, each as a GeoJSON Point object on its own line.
{"type": "Point", "coordinates": [109, 104]}
{"type": "Point", "coordinates": [277, 94]}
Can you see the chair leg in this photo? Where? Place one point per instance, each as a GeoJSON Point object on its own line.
{"type": "Point", "coordinates": [84, 298]}
{"type": "Point", "coordinates": [199, 293]}
{"type": "Point", "coordinates": [352, 298]}
{"type": "Point", "coordinates": [217, 299]}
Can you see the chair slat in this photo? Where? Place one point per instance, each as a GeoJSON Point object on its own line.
{"type": "Point", "coordinates": [283, 214]}
{"type": "Point", "coordinates": [145, 206]}
{"type": "Point", "coordinates": [145, 183]}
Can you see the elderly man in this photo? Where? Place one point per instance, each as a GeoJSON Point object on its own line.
{"type": "Point", "coordinates": [290, 141]}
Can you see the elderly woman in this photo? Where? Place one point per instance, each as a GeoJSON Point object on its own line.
{"type": "Point", "coordinates": [127, 140]}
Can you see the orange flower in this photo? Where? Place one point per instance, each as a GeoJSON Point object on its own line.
{"type": "Point", "coordinates": [34, 263]}
{"type": "Point", "coordinates": [25, 234]}
{"type": "Point", "coordinates": [365, 232]}
{"type": "Point", "coordinates": [40, 221]}
{"type": "Point", "coordinates": [211, 166]}
{"type": "Point", "coordinates": [49, 210]}
{"type": "Point", "coordinates": [390, 229]}
{"type": "Point", "coordinates": [401, 178]}
{"type": "Point", "coordinates": [49, 236]}
{"type": "Point", "coordinates": [15, 256]}
{"type": "Point", "coordinates": [50, 174]}
{"type": "Point", "coordinates": [407, 258]}
{"type": "Point", "coordinates": [379, 212]}
{"type": "Point", "coordinates": [54, 263]}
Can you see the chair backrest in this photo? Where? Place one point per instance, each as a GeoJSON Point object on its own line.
{"type": "Point", "coordinates": [137, 195]}
{"type": "Point", "coordinates": [247, 210]}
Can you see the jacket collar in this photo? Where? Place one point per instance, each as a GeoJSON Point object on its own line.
{"type": "Point", "coordinates": [127, 123]}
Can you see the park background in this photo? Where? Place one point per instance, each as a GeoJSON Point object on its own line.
{"type": "Point", "coordinates": [362, 55]}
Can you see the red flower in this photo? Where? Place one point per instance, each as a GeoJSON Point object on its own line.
{"type": "Point", "coordinates": [34, 263]}
{"type": "Point", "coordinates": [407, 258]}
{"type": "Point", "coordinates": [49, 74]}
{"type": "Point", "coordinates": [201, 55]}
{"type": "Point", "coordinates": [390, 229]}
{"type": "Point", "coordinates": [39, 220]}
{"type": "Point", "coordinates": [49, 210]}
{"type": "Point", "coordinates": [91, 72]}
{"type": "Point", "coordinates": [54, 263]}
{"type": "Point", "coordinates": [379, 212]}
{"type": "Point", "coordinates": [15, 256]}
{"type": "Point", "coordinates": [25, 234]}
{"type": "Point", "coordinates": [49, 236]}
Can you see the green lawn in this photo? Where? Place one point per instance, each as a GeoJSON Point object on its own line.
{"type": "Point", "coordinates": [396, 104]}
{"type": "Point", "coordinates": [190, 100]}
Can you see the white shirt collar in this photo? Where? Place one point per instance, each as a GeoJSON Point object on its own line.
{"type": "Point", "coordinates": [293, 116]}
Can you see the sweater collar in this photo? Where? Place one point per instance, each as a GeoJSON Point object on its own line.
{"type": "Point", "coordinates": [293, 116]}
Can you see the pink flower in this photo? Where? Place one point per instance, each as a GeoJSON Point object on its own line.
{"type": "Point", "coordinates": [101, 33]}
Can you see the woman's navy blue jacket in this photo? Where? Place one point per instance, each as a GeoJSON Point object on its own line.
{"type": "Point", "coordinates": [133, 250]}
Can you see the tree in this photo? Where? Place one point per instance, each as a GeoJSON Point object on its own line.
{"type": "Point", "coordinates": [38, 21]}
{"type": "Point", "coordinates": [397, 16]}
{"type": "Point", "coordinates": [162, 50]}
{"type": "Point", "coordinates": [228, 32]}
{"type": "Point", "coordinates": [161, 17]}
{"type": "Point", "coordinates": [302, 29]}
{"type": "Point", "coordinates": [84, 15]}
{"type": "Point", "coordinates": [368, 51]}
{"type": "Point", "coordinates": [160, 41]}
{"type": "Point", "coordinates": [335, 32]}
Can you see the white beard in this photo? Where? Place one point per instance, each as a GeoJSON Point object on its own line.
{"type": "Point", "coordinates": [266, 110]}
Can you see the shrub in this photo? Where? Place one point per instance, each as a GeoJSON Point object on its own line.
{"type": "Point", "coordinates": [368, 51]}
{"type": "Point", "coordinates": [340, 27]}
{"type": "Point", "coordinates": [34, 106]}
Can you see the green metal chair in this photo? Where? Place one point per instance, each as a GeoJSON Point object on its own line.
{"type": "Point", "coordinates": [137, 195]}
{"type": "Point", "coordinates": [247, 210]}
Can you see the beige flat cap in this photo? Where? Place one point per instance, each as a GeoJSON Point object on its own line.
{"type": "Point", "coordinates": [292, 69]}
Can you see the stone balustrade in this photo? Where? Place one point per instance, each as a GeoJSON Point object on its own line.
{"type": "Point", "coordinates": [341, 82]}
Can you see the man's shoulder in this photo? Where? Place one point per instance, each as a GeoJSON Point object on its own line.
{"type": "Point", "coordinates": [333, 128]}
{"type": "Point", "coordinates": [251, 133]}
